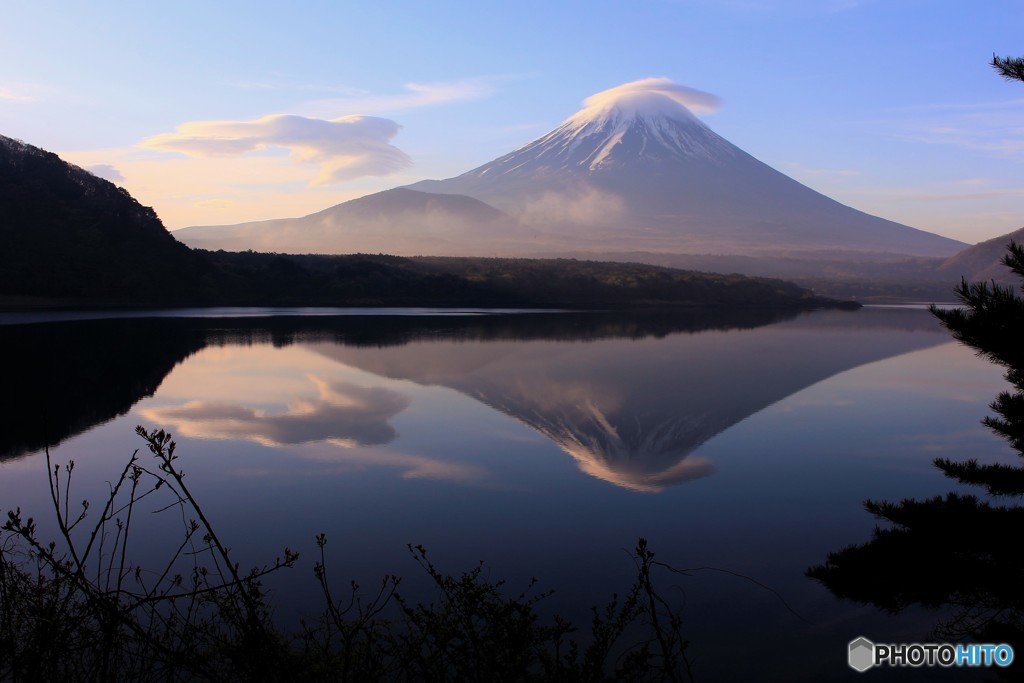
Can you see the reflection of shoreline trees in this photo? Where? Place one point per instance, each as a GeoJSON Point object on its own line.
{"type": "Point", "coordinates": [957, 551]}
{"type": "Point", "coordinates": [63, 379]}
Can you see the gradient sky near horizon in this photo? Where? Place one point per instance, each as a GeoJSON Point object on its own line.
{"type": "Point", "coordinates": [224, 112]}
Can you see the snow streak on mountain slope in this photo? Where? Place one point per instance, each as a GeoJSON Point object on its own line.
{"type": "Point", "coordinates": [622, 132]}
{"type": "Point", "coordinates": [636, 128]}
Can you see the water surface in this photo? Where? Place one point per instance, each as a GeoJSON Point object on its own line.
{"type": "Point", "coordinates": [542, 443]}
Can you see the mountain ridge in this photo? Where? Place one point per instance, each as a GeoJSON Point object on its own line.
{"type": "Point", "coordinates": [366, 224]}
{"type": "Point", "coordinates": [984, 261]}
{"type": "Point", "coordinates": [635, 170]}
{"type": "Point", "coordinates": [66, 233]}
{"type": "Point", "coordinates": [71, 239]}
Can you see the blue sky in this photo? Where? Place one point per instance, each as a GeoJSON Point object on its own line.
{"type": "Point", "coordinates": [886, 105]}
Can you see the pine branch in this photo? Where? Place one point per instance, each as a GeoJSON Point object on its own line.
{"type": "Point", "coordinates": [1010, 68]}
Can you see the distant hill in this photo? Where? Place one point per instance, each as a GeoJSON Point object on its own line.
{"type": "Point", "coordinates": [67, 234]}
{"type": "Point", "coordinates": [983, 261]}
{"type": "Point", "coordinates": [421, 222]}
{"type": "Point", "coordinates": [380, 280]}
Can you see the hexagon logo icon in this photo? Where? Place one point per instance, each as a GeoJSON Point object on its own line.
{"type": "Point", "coordinates": [862, 654]}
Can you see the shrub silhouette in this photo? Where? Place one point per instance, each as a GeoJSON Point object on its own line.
{"type": "Point", "coordinates": [79, 608]}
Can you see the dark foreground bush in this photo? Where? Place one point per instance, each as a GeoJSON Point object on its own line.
{"type": "Point", "coordinates": [79, 609]}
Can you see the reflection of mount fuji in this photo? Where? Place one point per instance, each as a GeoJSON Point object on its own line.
{"type": "Point", "coordinates": [63, 378]}
{"type": "Point", "coordinates": [630, 397]}
{"type": "Point", "coordinates": [633, 412]}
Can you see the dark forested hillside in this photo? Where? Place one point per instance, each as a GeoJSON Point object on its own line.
{"type": "Point", "coordinates": [67, 234]}
{"type": "Point", "coordinates": [380, 280]}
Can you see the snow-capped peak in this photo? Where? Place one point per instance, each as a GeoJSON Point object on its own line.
{"type": "Point", "coordinates": [628, 107]}
{"type": "Point", "coordinates": [644, 120]}
{"type": "Point", "coordinates": [646, 98]}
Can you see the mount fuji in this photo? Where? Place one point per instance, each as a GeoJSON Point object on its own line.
{"type": "Point", "coordinates": [633, 171]}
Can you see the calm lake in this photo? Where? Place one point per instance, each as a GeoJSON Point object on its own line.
{"type": "Point", "coordinates": [544, 444]}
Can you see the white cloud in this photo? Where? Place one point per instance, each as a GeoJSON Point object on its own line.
{"type": "Point", "coordinates": [695, 100]}
{"type": "Point", "coordinates": [8, 95]}
{"type": "Point", "coordinates": [582, 206]}
{"type": "Point", "coordinates": [218, 190]}
{"type": "Point", "coordinates": [992, 128]}
{"type": "Point", "coordinates": [107, 172]}
{"type": "Point", "coordinates": [998, 141]}
{"type": "Point", "coordinates": [346, 147]}
{"type": "Point", "coordinates": [416, 95]}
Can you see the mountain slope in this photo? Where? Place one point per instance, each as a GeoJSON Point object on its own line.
{"type": "Point", "coordinates": [420, 222]}
{"type": "Point", "coordinates": [635, 168]}
{"type": "Point", "coordinates": [983, 261]}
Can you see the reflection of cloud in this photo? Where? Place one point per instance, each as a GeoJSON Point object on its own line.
{"type": "Point", "coordinates": [107, 172]}
{"type": "Point", "coordinates": [412, 466]}
{"type": "Point", "coordinates": [342, 413]}
{"type": "Point", "coordinates": [952, 442]}
{"type": "Point", "coordinates": [346, 147]}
